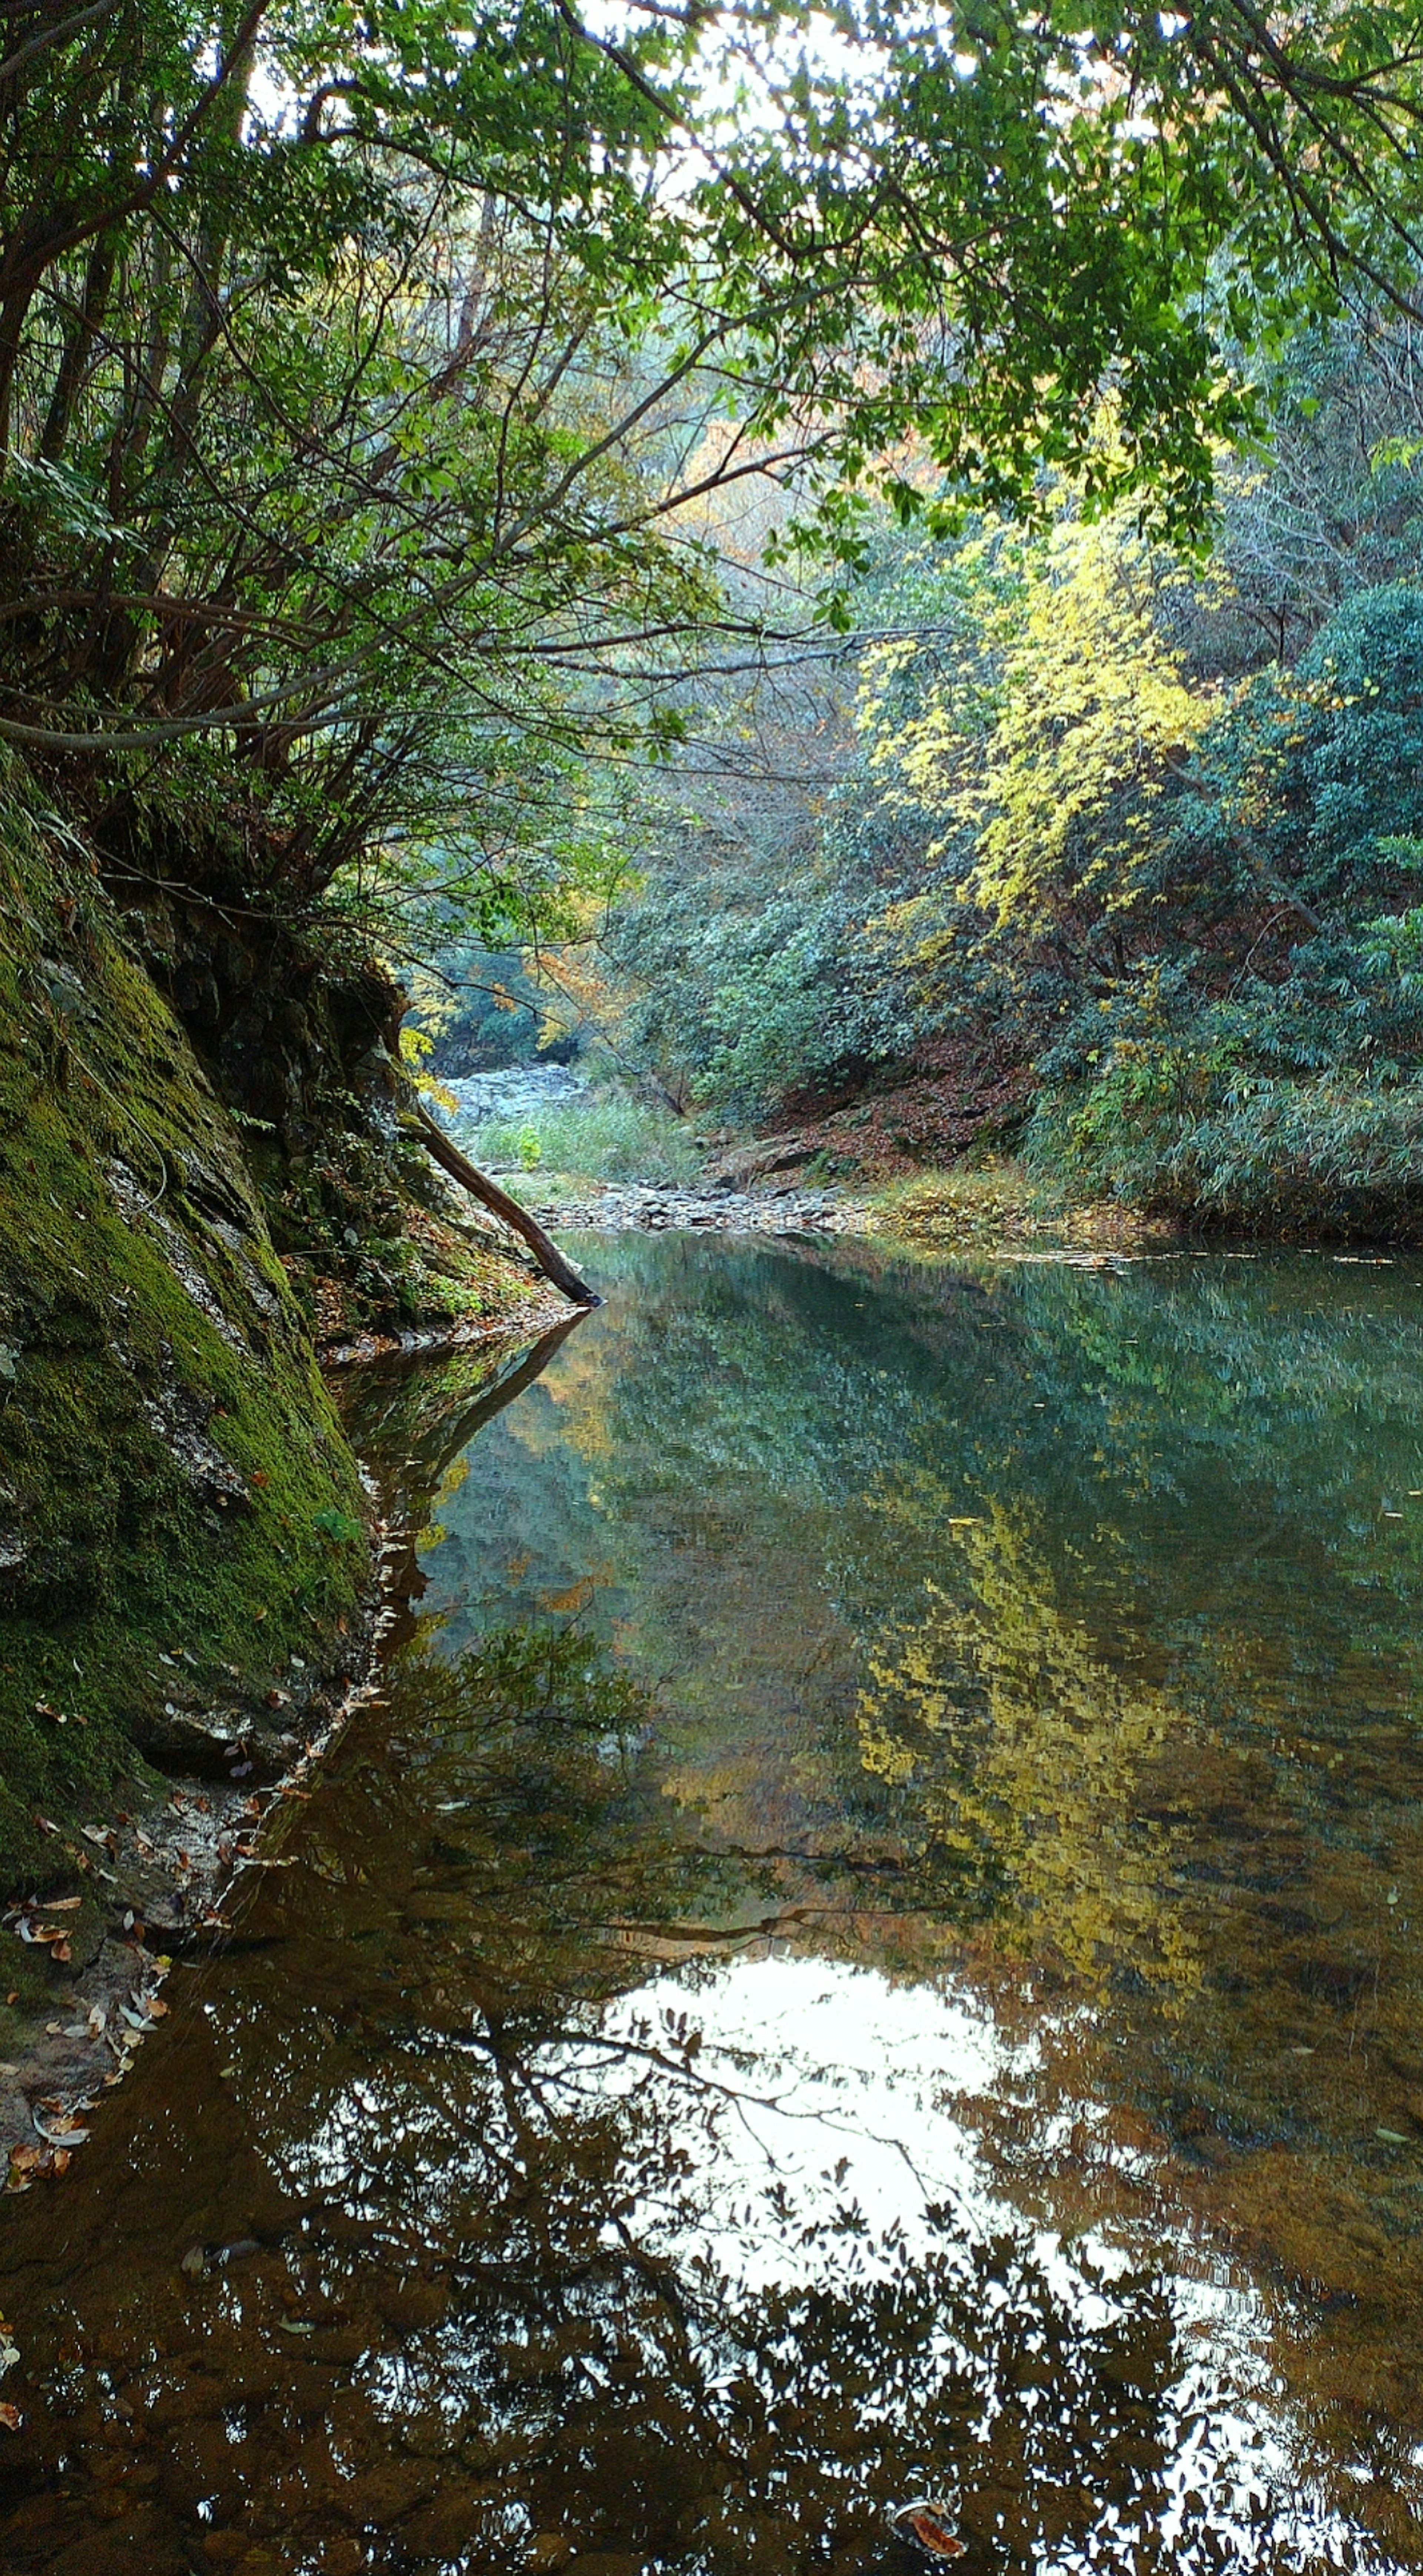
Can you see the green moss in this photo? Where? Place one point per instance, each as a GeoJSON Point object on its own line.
{"type": "Point", "coordinates": [369, 1243]}
{"type": "Point", "coordinates": [173, 1483]}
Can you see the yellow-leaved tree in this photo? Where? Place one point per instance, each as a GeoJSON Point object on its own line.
{"type": "Point", "coordinates": [1045, 753]}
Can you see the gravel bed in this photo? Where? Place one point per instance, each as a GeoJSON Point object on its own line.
{"type": "Point", "coordinates": [621, 1207]}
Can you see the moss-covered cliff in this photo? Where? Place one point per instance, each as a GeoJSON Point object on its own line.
{"type": "Point", "coordinates": [183, 1533]}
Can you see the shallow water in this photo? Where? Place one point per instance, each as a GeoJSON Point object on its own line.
{"type": "Point", "coordinates": [873, 1946]}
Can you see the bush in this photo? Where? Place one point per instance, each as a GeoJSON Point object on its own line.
{"type": "Point", "coordinates": [1199, 1137]}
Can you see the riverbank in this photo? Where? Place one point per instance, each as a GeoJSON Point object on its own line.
{"type": "Point", "coordinates": [621, 1207]}
{"type": "Point", "coordinates": [160, 1879]}
{"type": "Point", "coordinates": [972, 1209]}
{"type": "Point", "coordinates": [603, 1160]}
{"type": "Point", "coordinates": [203, 1191]}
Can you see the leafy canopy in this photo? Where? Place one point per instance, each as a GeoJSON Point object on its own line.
{"type": "Point", "coordinates": [367, 371]}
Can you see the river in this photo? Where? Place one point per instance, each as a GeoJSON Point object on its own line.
{"type": "Point", "coordinates": [870, 1945]}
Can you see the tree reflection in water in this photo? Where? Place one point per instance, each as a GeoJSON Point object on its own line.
{"type": "Point", "coordinates": [547, 2219]}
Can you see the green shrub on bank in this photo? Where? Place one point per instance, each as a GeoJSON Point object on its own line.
{"type": "Point", "coordinates": [608, 1138]}
{"type": "Point", "coordinates": [1188, 1133]}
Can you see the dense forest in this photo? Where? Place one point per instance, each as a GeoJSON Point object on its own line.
{"type": "Point", "coordinates": [839, 542]}
{"type": "Point", "coordinates": [1091, 850]}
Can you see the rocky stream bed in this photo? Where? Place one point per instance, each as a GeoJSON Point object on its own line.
{"type": "Point", "coordinates": [621, 1206]}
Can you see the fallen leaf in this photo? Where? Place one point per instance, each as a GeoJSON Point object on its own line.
{"type": "Point", "coordinates": [60, 1950]}
{"type": "Point", "coordinates": [155, 2007]}
{"type": "Point", "coordinates": [1393, 2137]}
{"type": "Point", "coordinates": [96, 1834]}
{"type": "Point", "coordinates": [11, 2418]}
{"type": "Point", "coordinates": [194, 2262]}
{"type": "Point", "coordinates": [296, 2325]}
{"type": "Point", "coordinates": [61, 1904]}
{"type": "Point", "coordinates": [46, 1824]}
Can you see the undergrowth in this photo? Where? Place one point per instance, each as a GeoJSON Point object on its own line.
{"type": "Point", "coordinates": [611, 1138]}
{"type": "Point", "coordinates": [1208, 1144]}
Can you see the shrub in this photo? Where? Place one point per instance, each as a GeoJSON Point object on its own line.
{"type": "Point", "coordinates": [1205, 1139]}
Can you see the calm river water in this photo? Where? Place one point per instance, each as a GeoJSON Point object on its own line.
{"type": "Point", "coordinates": [873, 1947]}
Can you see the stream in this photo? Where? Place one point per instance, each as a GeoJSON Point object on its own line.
{"type": "Point", "coordinates": [870, 1946]}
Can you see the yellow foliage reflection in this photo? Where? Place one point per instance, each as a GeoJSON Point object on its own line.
{"type": "Point", "coordinates": [1028, 1762]}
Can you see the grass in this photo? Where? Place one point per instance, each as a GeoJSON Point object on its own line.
{"type": "Point", "coordinates": [974, 1204]}
{"type": "Point", "coordinates": [608, 1138]}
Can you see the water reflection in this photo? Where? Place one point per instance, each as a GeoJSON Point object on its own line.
{"type": "Point", "coordinates": [895, 1973]}
{"type": "Point", "coordinates": [503, 2253]}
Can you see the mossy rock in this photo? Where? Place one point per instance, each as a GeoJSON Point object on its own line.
{"type": "Point", "coordinates": [180, 1514]}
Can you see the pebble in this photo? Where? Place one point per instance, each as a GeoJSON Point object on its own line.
{"type": "Point", "coordinates": [621, 1207]}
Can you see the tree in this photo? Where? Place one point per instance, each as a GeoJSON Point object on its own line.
{"type": "Point", "coordinates": [361, 371]}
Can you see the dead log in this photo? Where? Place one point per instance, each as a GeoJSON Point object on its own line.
{"type": "Point", "coordinates": [550, 1260]}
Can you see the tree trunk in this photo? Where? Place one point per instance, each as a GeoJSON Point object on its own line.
{"type": "Point", "coordinates": [78, 341]}
{"type": "Point", "coordinates": [451, 1160]}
